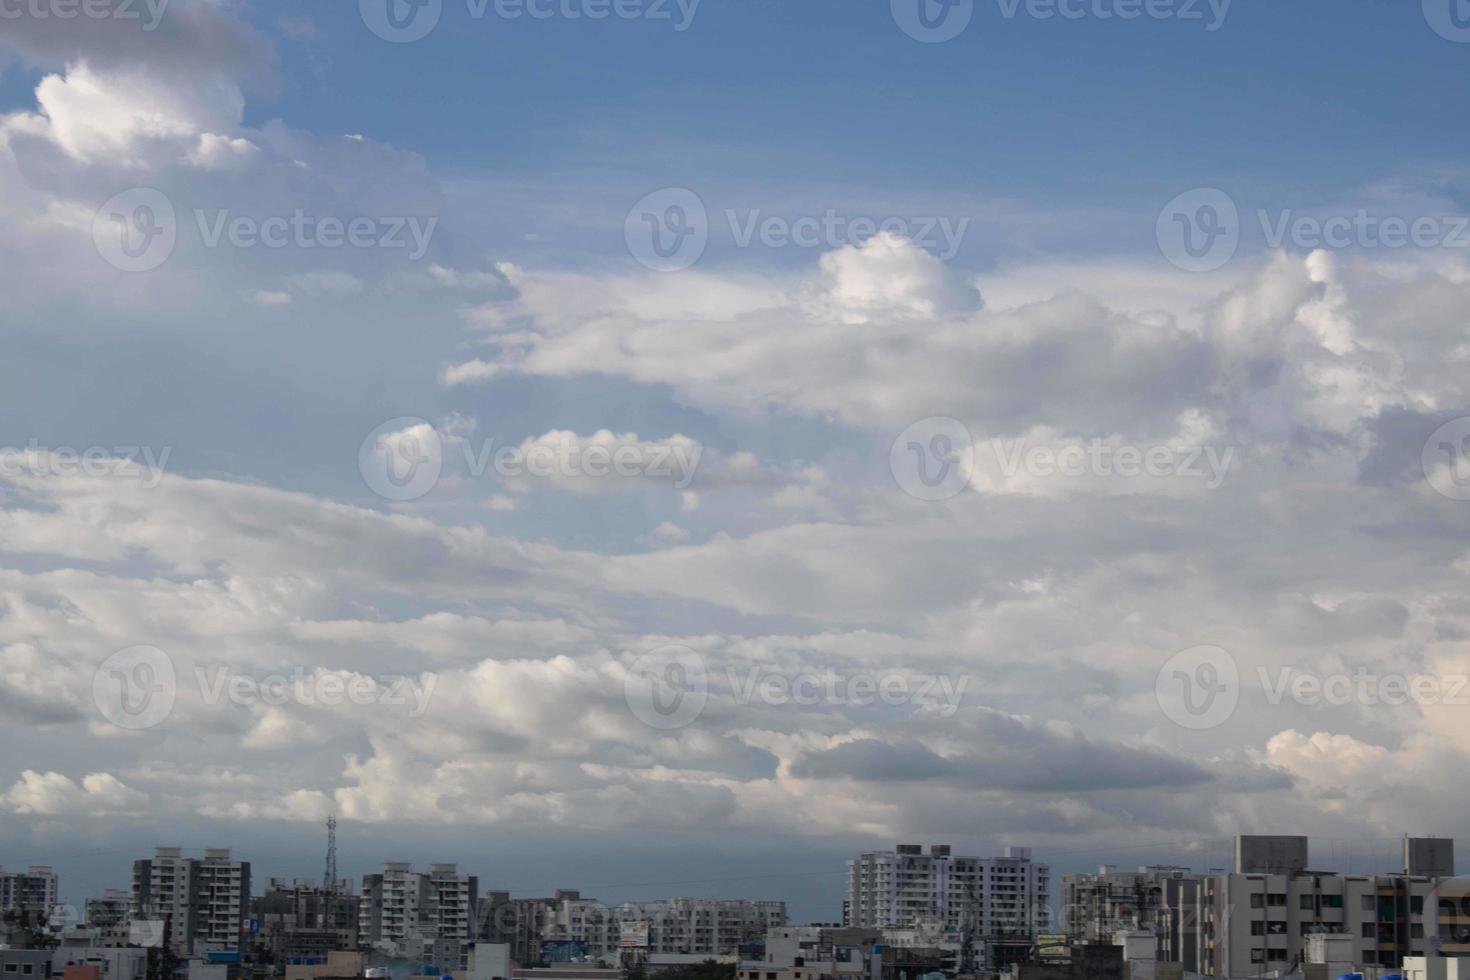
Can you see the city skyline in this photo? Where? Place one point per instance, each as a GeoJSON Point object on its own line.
{"type": "Point", "coordinates": [634, 441]}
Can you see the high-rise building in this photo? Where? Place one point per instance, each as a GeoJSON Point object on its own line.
{"type": "Point", "coordinates": [982, 898]}
{"type": "Point", "coordinates": [1095, 907]}
{"type": "Point", "coordinates": [424, 916]}
{"type": "Point", "coordinates": [109, 910]}
{"type": "Point", "coordinates": [32, 892]}
{"type": "Point", "coordinates": [1261, 916]}
{"type": "Point", "coordinates": [297, 918]}
{"type": "Point", "coordinates": [202, 901]}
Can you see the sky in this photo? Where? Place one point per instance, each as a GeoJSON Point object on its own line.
{"type": "Point", "coordinates": [664, 447]}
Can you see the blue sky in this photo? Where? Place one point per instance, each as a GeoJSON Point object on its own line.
{"type": "Point", "coordinates": [913, 455]}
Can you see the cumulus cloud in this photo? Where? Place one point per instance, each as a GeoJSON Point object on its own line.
{"type": "Point", "coordinates": [98, 794]}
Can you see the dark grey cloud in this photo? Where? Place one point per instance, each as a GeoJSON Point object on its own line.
{"type": "Point", "coordinates": [1009, 755]}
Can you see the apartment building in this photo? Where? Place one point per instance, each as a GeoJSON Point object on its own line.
{"type": "Point", "coordinates": [1095, 907]}
{"type": "Point", "coordinates": [110, 910]}
{"type": "Point", "coordinates": [298, 918]}
{"type": "Point", "coordinates": [1262, 916]}
{"type": "Point", "coordinates": [710, 927]}
{"type": "Point", "coordinates": [424, 916]}
{"type": "Point", "coordinates": [31, 892]}
{"type": "Point", "coordinates": [984, 898]}
{"type": "Point", "coordinates": [202, 901]}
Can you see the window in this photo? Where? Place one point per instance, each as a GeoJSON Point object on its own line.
{"type": "Point", "coordinates": [1276, 900]}
{"type": "Point", "coordinates": [1307, 903]}
{"type": "Point", "coordinates": [1416, 904]}
{"type": "Point", "coordinates": [1332, 901]}
{"type": "Point", "coordinates": [1368, 904]}
{"type": "Point", "coordinates": [1369, 930]}
{"type": "Point", "coordinates": [1258, 928]}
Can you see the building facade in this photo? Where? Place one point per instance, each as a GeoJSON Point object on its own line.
{"type": "Point", "coordinates": [1096, 907]}
{"type": "Point", "coordinates": [1263, 916]}
{"type": "Point", "coordinates": [31, 892]}
{"type": "Point", "coordinates": [981, 898]}
{"type": "Point", "coordinates": [428, 917]}
{"type": "Point", "coordinates": [202, 901]}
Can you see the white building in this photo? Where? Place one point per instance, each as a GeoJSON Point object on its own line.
{"type": "Point", "coordinates": [32, 891]}
{"type": "Point", "coordinates": [109, 910]}
{"type": "Point", "coordinates": [203, 900]}
{"type": "Point", "coordinates": [1263, 916]}
{"type": "Point", "coordinates": [423, 916]}
{"type": "Point", "coordinates": [983, 898]}
{"type": "Point", "coordinates": [696, 926]}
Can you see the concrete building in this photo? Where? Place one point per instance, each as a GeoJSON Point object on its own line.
{"type": "Point", "coordinates": [202, 901]}
{"type": "Point", "coordinates": [32, 892]}
{"type": "Point", "coordinates": [110, 963]}
{"type": "Point", "coordinates": [108, 911]}
{"type": "Point", "coordinates": [299, 919]}
{"type": "Point", "coordinates": [25, 964]}
{"type": "Point", "coordinates": [1262, 917]}
{"type": "Point", "coordinates": [1095, 907]}
{"type": "Point", "coordinates": [338, 963]}
{"type": "Point", "coordinates": [987, 898]}
{"type": "Point", "coordinates": [428, 917]}
{"type": "Point", "coordinates": [568, 926]}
